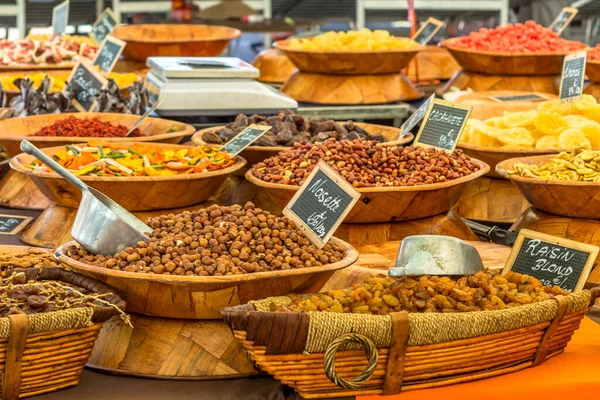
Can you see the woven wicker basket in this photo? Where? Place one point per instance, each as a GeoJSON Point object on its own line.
{"type": "Point", "coordinates": [404, 351]}
{"type": "Point", "coordinates": [42, 353]}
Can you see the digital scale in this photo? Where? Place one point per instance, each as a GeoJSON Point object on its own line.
{"type": "Point", "coordinates": [210, 87]}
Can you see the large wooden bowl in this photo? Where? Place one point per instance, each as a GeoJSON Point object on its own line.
{"type": "Point", "coordinates": [592, 70]}
{"type": "Point", "coordinates": [432, 63]}
{"type": "Point", "coordinates": [200, 297]}
{"type": "Point", "coordinates": [256, 154]}
{"type": "Point", "coordinates": [559, 197]}
{"type": "Point", "coordinates": [176, 40]}
{"type": "Point", "coordinates": [347, 62]}
{"type": "Point", "coordinates": [13, 130]}
{"type": "Point", "coordinates": [136, 193]}
{"type": "Point", "coordinates": [386, 204]}
{"type": "Point", "coordinates": [274, 66]}
{"type": "Point", "coordinates": [506, 63]}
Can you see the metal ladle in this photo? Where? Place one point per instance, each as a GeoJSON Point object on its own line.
{"type": "Point", "coordinates": [101, 226]}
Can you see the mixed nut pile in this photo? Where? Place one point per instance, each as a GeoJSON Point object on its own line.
{"type": "Point", "coordinates": [289, 128]}
{"type": "Point", "coordinates": [217, 241]}
{"type": "Point", "coordinates": [367, 164]}
{"type": "Point", "coordinates": [579, 165]}
{"type": "Point", "coordinates": [486, 290]}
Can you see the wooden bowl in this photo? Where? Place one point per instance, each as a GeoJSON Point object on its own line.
{"type": "Point", "coordinates": [347, 62]}
{"type": "Point", "coordinates": [13, 130]}
{"type": "Point", "coordinates": [137, 193]}
{"type": "Point", "coordinates": [506, 63]}
{"type": "Point", "coordinates": [485, 107]}
{"type": "Point", "coordinates": [432, 63]}
{"type": "Point", "coordinates": [386, 204]}
{"type": "Point", "coordinates": [559, 197]}
{"type": "Point", "coordinates": [174, 40]}
{"type": "Point", "coordinates": [256, 154]}
{"type": "Point", "coordinates": [200, 297]}
{"type": "Point", "coordinates": [274, 66]}
{"type": "Point", "coordinates": [592, 70]}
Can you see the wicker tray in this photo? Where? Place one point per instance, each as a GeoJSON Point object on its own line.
{"type": "Point", "coordinates": [42, 353]}
{"type": "Point", "coordinates": [405, 351]}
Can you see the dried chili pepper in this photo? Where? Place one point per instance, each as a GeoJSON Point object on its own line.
{"type": "Point", "coordinates": [86, 127]}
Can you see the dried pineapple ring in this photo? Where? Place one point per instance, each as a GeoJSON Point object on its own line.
{"type": "Point", "coordinates": [550, 123]}
{"type": "Point", "coordinates": [519, 119]}
{"type": "Point", "coordinates": [573, 139]}
{"type": "Point", "coordinates": [548, 142]}
{"type": "Point", "coordinates": [555, 106]}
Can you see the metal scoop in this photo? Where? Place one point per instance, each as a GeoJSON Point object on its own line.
{"type": "Point", "coordinates": [101, 226]}
{"type": "Point", "coordinates": [436, 255]}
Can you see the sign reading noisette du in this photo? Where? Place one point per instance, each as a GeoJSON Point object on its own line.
{"type": "Point", "coordinates": [443, 125]}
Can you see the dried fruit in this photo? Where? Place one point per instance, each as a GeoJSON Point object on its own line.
{"type": "Point", "coordinates": [579, 165]}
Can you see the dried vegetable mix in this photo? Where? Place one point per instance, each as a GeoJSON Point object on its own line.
{"type": "Point", "coordinates": [85, 127]}
{"type": "Point", "coordinates": [483, 291]}
{"type": "Point", "coordinates": [367, 164]}
{"type": "Point", "coordinates": [111, 159]}
{"type": "Point", "coordinates": [217, 241]}
{"type": "Point", "coordinates": [579, 165]}
{"type": "Point", "coordinates": [361, 40]}
{"type": "Point", "coordinates": [289, 128]}
{"type": "Point", "coordinates": [55, 50]}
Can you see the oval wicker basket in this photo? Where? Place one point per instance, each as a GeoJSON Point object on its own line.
{"type": "Point", "coordinates": [414, 350]}
{"type": "Point", "coordinates": [41, 353]}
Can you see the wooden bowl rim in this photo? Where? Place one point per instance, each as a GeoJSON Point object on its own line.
{"type": "Point", "coordinates": [185, 129]}
{"type": "Point", "coordinates": [281, 45]}
{"type": "Point", "coordinates": [19, 166]}
{"type": "Point", "coordinates": [484, 169]}
{"type": "Point", "coordinates": [197, 138]}
{"type": "Point", "coordinates": [498, 150]}
{"type": "Point", "coordinates": [350, 257]}
{"type": "Point", "coordinates": [448, 45]}
{"type": "Point", "coordinates": [33, 67]}
{"type": "Point", "coordinates": [229, 33]}
{"type": "Point", "coordinates": [502, 171]}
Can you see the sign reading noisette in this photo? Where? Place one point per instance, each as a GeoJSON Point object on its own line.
{"type": "Point", "coordinates": [321, 204]}
{"type": "Point", "coordinates": [443, 124]}
{"type": "Point", "coordinates": [573, 73]}
{"type": "Point", "coordinates": [553, 260]}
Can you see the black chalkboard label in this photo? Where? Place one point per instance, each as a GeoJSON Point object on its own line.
{"type": "Point", "coordinates": [416, 117]}
{"type": "Point", "coordinates": [153, 91]}
{"type": "Point", "coordinates": [87, 83]}
{"type": "Point", "coordinates": [443, 125]}
{"type": "Point", "coordinates": [573, 75]}
{"type": "Point", "coordinates": [60, 18]}
{"type": "Point", "coordinates": [321, 203]}
{"type": "Point", "coordinates": [109, 53]}
{"type": "Point", "coordinates": [552, 260]}
{"type": "Point", "coordinates": [245, 138]}
{"type": "Point", "coordinates": [563, 19]}
{"type": "Point", "coordinates": [427, 31]}
{"type": "Point", "coordinates": [104, 25]}
{"type": "Point", "coordinates": [12, 224]}
{"type": "Point", "coordinates": [520, 97]}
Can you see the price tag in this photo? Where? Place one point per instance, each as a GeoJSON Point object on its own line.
{"type": "Point", "coordinates": [12, 224]}
{"type": "Point", "coordinates": [245, 138]}
{"type": "Point", "coordinates": [444, 123]}
{"type": "Point", "coordinates": [573, 74]}
{"type": "Point", "coordinates": [427, 31]}
{"type": "Point", "coordinates": [416, 117]}
{"type": "Point", "coordinates": [321, 203]}
{"type": "Point", "coordinates": [520, 97]}
{"type": "Point", "coordinates": [60, 18]}
{"type": "Point", "coordinates": [109, 53]}
{"type": "Point", "coordinates": [104, 25]}
{"type": "Point", "coordinates": [553, 260]}
{"type": "Point", "coordinates": [87, 83]}
{"type": "Point", "coordinates": [563, 20]}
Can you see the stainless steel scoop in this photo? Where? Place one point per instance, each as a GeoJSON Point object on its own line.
{"type": "Point", "coordinates": [101, 226]}
{"type": "Point", "coordinates": [436, 255]}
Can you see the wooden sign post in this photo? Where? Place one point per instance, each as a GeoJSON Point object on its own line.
{"type": "Point", "coordinates": [563, 20]}
{"type": "Point", "coordinates": [573, 74]}
{"type": "Point", "coordinates": [87, 83]}
{"type": "Point", "coordinates": [416, 117]}
{"type": "Point", "coordinates": [443, 125]}
{"type": "Point", "coordinates": [245, 138]}
{"type": "Point", "coordinates": [60, 18]}
{"type": "Point", "coordinates": [109, 53]}
{"type": "Point", "coordinates": [553, 260]}
{"type": "Point", "coordinates": [427, 31]}
{"type": "Point", "coordinates": [321, 203]}
{"type": "Point", "coordinates": [12, 224]}
{"type": "Point", "coordinates": [104, 25]}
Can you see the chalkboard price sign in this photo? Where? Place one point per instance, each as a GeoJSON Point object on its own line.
{"type": "Point", "coordinates": [104, 25]}
{"type": "Point", "coordinates": [87, 83]}
{"type": "Point", "coordinates": [109, 53]}
{"type": "Point", "coordinates": [520, 97]}
{"type": "Point", "coordinates": [443, 125]}
{"type": "Point", "coordinates": [427, 31]}
{"type": "Point", "coordinates": [573, 74]}
{"type": "Point", "coordinates": [552, 260]}
{"type": "Point", "coordinates": [563, 19]}
{"type": "Point", "coordinates": [12, 224]}
{"type": "Point", "coordinates": [416, 117]}
{"type": "Point", "coordinates": [60, 18]}
{"type": "Point", "coordinates": [321, 203]}
{"type": "Point", "coordinates": [245, 138]}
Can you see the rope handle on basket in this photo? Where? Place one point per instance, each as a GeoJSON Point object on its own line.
{"type": "Point", "coordinates": [331, 352]}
